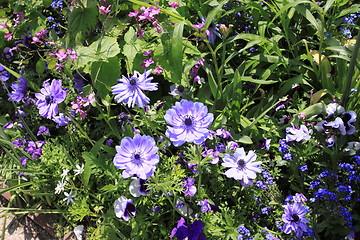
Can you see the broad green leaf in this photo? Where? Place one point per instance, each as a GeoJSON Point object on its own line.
{"type": "Point", "coordinates": [315, 109]}
{"type": "Point", "coordinates": [105, 74]}
{"type": "Point", "coordinates": [81, 21]}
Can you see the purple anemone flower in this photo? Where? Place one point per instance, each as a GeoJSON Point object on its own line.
{"type": "Point", "coordinates": [129, 90]}
{"type": "Point", "coordinates": [192, 231]}
{"type": "Point", "coordinates": [49, 98]}
{"type": "Point", "coordinates": [295, 219]}
{"type": "Point", "coordinates": [190, 122]}
{"type": "Point", "coordinates": [19, 90]}
{"type": "Point", "coordinates": [4, 75]}
{"type": "Point", "coordinates": [242, 167]}
{"type": "Point", "coordinates": [137, 156]}
{"type": "Point", "coordinates": [124, 208]}
{"type": "Point", "coordinates": [297, 134]}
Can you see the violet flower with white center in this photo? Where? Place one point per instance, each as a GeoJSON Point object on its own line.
{"type": "Point", "coordinates": [242, 167]}
{"type": "Point", "coordinates": [49, 98]}
{"type": "Point", "coordinates": [137, 156]}
{"type": "Point", "coordinates": [19, 90]}
{"type": "Point", "coordinates": [298, 134]}
{"type": "Point", "coordinates": [138, 187]}
{"type": "Point", "coordinates": [189, 187]}
{"type": "Point", "coordinates": [129, 90]}
{"type": "Point", "coordinates": [124, 208]}
{"type": "Point", "coordinates": [295, 219]}
{"type": "Point", "coordinates": [189, 122]}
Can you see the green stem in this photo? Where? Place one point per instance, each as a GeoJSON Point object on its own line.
{"type": "Point", "coordinates": [80, 128]}
{"type": "Point", "coordinates": [199, 167]}
{"type": "Point", "coordinates": [346, 93]}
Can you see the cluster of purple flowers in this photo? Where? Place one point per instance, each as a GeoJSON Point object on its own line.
{"type": "Point", "coordinates": [269, 180]}
{"type": "Point", "coordinates": [33, 148]}
{"type": "Point", "coordinates": [189, 187]}
{"type": "Point", "coordinates": [284, 150]}
{"type": "Point", "coordinates": [193, 231]}
{"type": "Point", "coordinates": [244, 233]}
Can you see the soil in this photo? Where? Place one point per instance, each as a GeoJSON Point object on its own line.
{"type": "Point", "coordinates": [28, 227]}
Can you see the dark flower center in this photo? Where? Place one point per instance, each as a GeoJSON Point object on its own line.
{"type": "Point", "coordinates": [49, 99]}
{"type": "Point", "coordinates": [241, 163]}
{"type": "Point", "coordinates": [346, 118]}
{"type": "Point", "coordinates": [137, 156]}
{"type": "Point", "coordinates": [180, 88]}
{"type": "Point", "coordinates": [188, 122]}
{"type": "Point", "coordinates": [295, 218]}
{"type": "Point", "coordinates": [132, 81]}
{"type": "Point", "coordinates": [130, 209]}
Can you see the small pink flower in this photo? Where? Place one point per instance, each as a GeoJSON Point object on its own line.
{"type": "Point", "coordinates": [199, 26]}
{"type": "Point", "coordinates": [103, 10]}
{"type": "Point", "coordinates": [140, 33]}
{"type": "Point", "coordinates": [157, 26]}
{"type": "Point", "coordinates": [173, 4]}
{"type": "Point", "coordinates": [158, 70]}
{"type": "Point", "coordinates": [8, 36]}
{"type": "Point", "coordinates": [148, 53]}
{"type": "Point", "coordinates": [147, 62]}
{"type": "Point", "coordinates": [134, 13]}
{"type": "Point", "coordinates": [61, 55]}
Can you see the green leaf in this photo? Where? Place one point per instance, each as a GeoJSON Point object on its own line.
{"type": "Point", "coordinates": [81, 21]}
{"type": "Point", "coordinates": [105, 75]}
{"type": "Point", "coordinates": [244, 140]}
{"type": "Point", "coordinates": [250, 79]}
{"type": "Point", "coordinates": [177, 53]}
{"type": "Point", "coordinates": [40, 66]}
{"type": "Point", "coordinates": [106, 47]}
{"type": "Point", "coordinates": [314, 109]}
{"type": "Point", "coordinates": [89, 162]}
